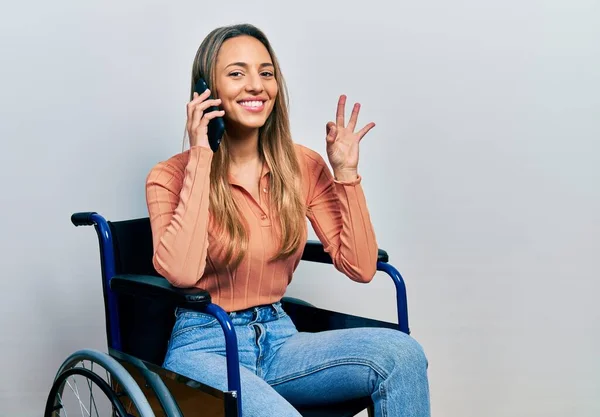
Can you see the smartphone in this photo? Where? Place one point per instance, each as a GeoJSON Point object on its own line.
{"type": "Point", "coordinates": [216, 127]}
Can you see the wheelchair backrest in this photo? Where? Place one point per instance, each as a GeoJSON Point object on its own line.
{"type": "Point", "coordinates": [132, 240]}
{"type": "Point", "coordinates": [144, 324]}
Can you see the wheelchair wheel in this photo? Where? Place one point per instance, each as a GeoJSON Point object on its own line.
{"type": "Point", "coordinates": [91, 383]}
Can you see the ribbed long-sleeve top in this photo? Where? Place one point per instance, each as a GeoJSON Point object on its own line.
{"type": "Point", "coordinates": [189, 253]}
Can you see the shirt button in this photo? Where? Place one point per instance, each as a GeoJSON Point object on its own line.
{"type": "Point", "coordinates": [265, 190]}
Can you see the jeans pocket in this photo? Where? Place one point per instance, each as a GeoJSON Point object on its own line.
{"type": "Point", "coordinates": [188, 320]}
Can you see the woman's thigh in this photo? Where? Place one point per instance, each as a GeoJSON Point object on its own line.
{"type": "Point", "coordinates": [339, 365]}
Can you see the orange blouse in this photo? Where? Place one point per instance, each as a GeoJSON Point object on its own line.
{"type": "Point", "coordinates": [188, 254]}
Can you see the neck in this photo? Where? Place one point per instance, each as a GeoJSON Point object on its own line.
{"type": "Point", "coordinates": [242, 146]}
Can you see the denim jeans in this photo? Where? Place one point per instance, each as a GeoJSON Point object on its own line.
{"type": "Point", "coordinates": [282, 368]}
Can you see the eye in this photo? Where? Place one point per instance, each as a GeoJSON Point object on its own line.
{"type": "Point", "coordinates": [235, 74]}
{"type": "Point", "coordinates": [266, 74]}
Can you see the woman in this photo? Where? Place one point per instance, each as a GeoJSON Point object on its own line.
{"type": "Point", "coordinates": [233, 222]}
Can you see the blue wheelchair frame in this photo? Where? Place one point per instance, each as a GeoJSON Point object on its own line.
{"type": "Point", "coordinates": [232, 357]}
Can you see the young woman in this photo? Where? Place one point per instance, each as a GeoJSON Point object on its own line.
{"type": "Point", "coordinates": [233, 223]}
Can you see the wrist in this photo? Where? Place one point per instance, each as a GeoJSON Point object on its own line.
{"type": "Point", "coordinates": [345, 175]}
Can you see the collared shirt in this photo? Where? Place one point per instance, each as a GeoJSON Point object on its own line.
{"type": "Point", "coordinates": [188, 252]}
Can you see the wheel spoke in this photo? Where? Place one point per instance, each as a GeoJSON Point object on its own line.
{"type": "Point", "coordinates": [92, 400]}
{"type": "Point", "coordinates": [78, 399]}
{"type": "Point", "coordinates": [81, 406]}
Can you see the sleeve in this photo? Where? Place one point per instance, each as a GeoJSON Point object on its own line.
{"type": "Point", "coordinates": [339, 215]}
{"type": "Point", "coordinates": [178, 201]}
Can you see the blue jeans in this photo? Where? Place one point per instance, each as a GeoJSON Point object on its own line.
{"type": "Point", "coordinates": [282, 368]}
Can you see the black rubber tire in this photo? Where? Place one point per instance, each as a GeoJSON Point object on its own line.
{"type": "Point", "coordinates": [106, 389]}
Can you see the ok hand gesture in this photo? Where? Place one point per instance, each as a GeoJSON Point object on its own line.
{"type": "Point", "coordinates": [342, 142]}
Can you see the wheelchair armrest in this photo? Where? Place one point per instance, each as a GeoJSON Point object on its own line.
{"type": "Point", "coordinates": [151, 286]}
{"type": "Point", "coordinates": [157, 287]}
{"type": "Point", "coordinates": [314, 252]}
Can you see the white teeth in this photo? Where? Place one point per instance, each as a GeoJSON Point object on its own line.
{"type": "Point", "coordinates": [251, 103]}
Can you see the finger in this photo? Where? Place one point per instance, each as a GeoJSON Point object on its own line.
{"type": "Point", "coordinates": [198, 99]}
{"type": "Point", "coordinates": [341, 109]}
{"type": "Point", "coordinates": [191, 105]}
{"type": "Point", "coordinates": [328, 127]}
{"type": "Point", "coordinates": [190, 110]}
{"type": "Point", "coordinates": [211, 115]}
{"type": "Point", "coordinates": [332, 134]}
{"type": "Point", "coordinates": [196, 117]}
{"type": "Point", "coordinates": [209, 103]}
{"type": "Point", "coordinates": [201, 97]}
{"type": "Point", "coordinates": [354, 117]}
{"type": "Point", "coordinates": [203, 125]}
{"type": "Point", "coordinates": [365, 130]}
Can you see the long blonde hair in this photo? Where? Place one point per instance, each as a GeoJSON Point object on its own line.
{"type": "Point", "coordinates": [275, 148]}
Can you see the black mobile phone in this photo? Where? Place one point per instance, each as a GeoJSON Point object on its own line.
{"type": "Point", "coordinates": [216, 127]}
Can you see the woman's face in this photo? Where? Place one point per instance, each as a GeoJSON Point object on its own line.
{"type": "Point", "coordinates": [245, 82]}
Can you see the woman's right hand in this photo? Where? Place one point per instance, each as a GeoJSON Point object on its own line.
{"type": "Point", "coordinates": [197, 119]}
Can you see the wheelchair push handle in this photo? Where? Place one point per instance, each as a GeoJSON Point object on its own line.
{"type": "Point", "coordinates": [83, 218]}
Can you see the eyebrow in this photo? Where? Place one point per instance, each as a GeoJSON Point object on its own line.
{"type": "Point", "coordinates": [244, 65]}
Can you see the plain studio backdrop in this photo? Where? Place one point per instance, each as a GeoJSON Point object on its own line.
{"type": "Point", "coordinates": [481, 175]}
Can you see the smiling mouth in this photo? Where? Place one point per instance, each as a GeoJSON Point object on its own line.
{"type": "Point", "coordinates": [252, 105]}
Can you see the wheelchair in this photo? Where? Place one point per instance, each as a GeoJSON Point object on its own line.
{"type": "Point", "coordinates": [139, 312]}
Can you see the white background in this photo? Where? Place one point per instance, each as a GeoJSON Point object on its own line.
{"type": "Point", "coordinates": [481, 175]}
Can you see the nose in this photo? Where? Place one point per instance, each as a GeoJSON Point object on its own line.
{"type": "Point", "coordinates": [254, 83]}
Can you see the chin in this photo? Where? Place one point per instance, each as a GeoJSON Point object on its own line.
{"type": "Point", "coordinates": [250, 122]}
{"type": "Point", "coordinates": [241, 124]}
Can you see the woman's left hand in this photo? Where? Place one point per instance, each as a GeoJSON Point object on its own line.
{"type": "Point", "coordinates": [342, 142]}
